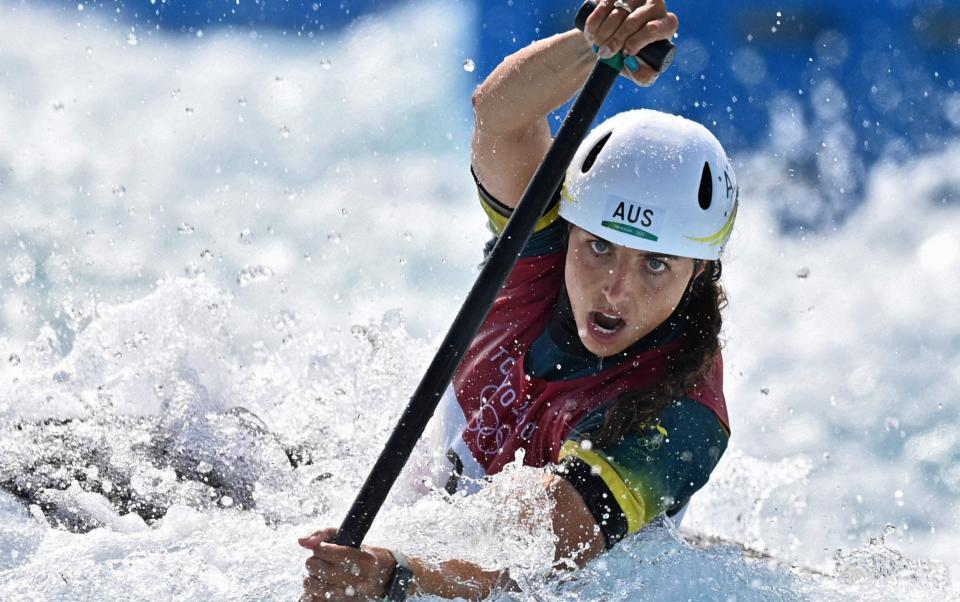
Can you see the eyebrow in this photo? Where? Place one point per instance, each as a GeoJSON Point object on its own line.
{"type": "Point", "coordinates": [646, 254]}
{"type": "Point", "coordinates": [661, 256]}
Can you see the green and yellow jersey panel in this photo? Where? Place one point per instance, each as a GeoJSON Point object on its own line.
{"type": "Point", "coordinates": [628, 484]}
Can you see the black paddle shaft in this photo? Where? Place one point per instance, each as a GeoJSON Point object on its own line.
{"type": "Point", "coordinates": [541, 189]}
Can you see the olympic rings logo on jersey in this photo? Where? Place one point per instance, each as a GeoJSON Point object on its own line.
{"type": "Point", "coordinates": [486, 423]}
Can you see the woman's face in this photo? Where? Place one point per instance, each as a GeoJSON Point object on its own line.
{"type": "Point", "coordinates": [618, 295]}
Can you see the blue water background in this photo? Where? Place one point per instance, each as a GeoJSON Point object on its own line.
{"type": "Point", "coordinates": [862, 81]}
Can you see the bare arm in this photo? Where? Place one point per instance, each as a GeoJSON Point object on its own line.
{"type": "Point", "coordinates": [337, 572]}
{"type": "Point", "coordinates": [578, 541]}
{"type": "Point", "coordinates": [511, 133]}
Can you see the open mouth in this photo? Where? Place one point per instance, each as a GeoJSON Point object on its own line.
{"type": "Point", "coordinates": [605, 323]}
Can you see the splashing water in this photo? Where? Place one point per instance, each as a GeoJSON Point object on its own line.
{"type": "Point", "coordinates": [171, 437]}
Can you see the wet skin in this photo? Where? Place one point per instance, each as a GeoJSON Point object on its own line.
{"type": "Point", "coordinates": [618, 294]}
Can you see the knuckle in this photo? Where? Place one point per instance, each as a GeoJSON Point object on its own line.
{"type": "Point", "coordinates": [672, 22]}
{"type": "Point", "coordinates": [653, 29]}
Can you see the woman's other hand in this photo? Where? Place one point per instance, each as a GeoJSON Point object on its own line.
{"type": "Point", "coordinates": [615, 29]}
{"type": "Point", "coordinates": [344, 573]}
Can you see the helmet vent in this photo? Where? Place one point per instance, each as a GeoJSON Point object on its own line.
{"type": "Point", "coordinates": [705, 195]}
{"type": "Point", "coordinates": [592, 155]}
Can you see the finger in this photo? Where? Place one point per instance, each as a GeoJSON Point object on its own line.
{"type": "Point", "coordinates": [596, 19]}
{"type": "Point", "coordinates": [340, 554]}
{"type": "Point", "coordinates": [644, 76]}
{"type": "Point", "coordinates": [317, 537]}
{"type": "Point", "coordinates": [344, 566]}
{"type": "Point", "coordinates": [320, 566]}
{"type": "Point", "coordinates": [638, 21]}
{"type": "Point", "coordinates": [315, 590]}
{"type": "Point", "coordinates": [603, 36]}
{"type": "Point", "coordinates": [348, 578]}
{"type": "Point", "coordinates": [651, 31]}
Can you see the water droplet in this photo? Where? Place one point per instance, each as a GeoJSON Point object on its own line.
{"type": "Point", "coordinates": [246, 236]}
{"type": "Point", "coordinates": [58, 106]}
{"type": "Point", "coordinates": [349, 591]}
{"type": "Point", "coordinates": [334, 237]}
{"type": "Point", "coordinates": [132, 39]}
{"type": "Point", "coordinates": [199, 33]}
{"type": "Point", "coordinates": [88, 50]}
{"type": "Point", "coordinates": [119, 190]}
{"type": "Point", "coordinates": [23, 275]}
{"type": "Point", "coordinates": [325, 63]}
{"type": "Point", "coordinates": [14, 359]}
{"type": "Point", "coordinates": [185, 228]}
{"type": "Point", "coordinates": [403, 261]}
{"type": "Point", "coordinates": [206, 254]}
{"type": "Point", "coordinates": [803, 273]}
{"type": "Point", "coordinates": [175, 93]}
{"type": "Point", "coordinates": [242, 101]}
{"type": "Point", "coordinates": [285, 132]}
{"type": "Point", "coordinates": [158, 390]}
{"type": "Point", "coordinates": [765, 390]}
{"type": "Point", "coordinates": [469, 65]}
{"type": "Point", "coordinates": [407, 236]}
{"type": "Point", "coordinates": [80, 6]}
{"type": "Point", "coordinates": [204, 467]}
{"type": "Point", "coordinates": [189, 110]}
{"type": "Point", "coordinates": [226, 501]}
{"type": "Point", "coordinates": [254, 274]}
{"type": "Point", "coordinates": [891, 424]}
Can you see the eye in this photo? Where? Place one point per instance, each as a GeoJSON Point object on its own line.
{"type": "Point", "coordinates": [656, 266]}
{"type": "Point", "coordinates": [600, 247]}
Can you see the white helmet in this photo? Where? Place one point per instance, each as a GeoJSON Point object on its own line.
{"type": "Point", "coordinates": [654, 182]}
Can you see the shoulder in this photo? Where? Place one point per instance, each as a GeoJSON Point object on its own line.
{"type": "Point", "coordinates": [687, 432]}
{"type": "Point", "coordinates": [548, 237]}
{"type": "Point", "coordinates": [648, 472]}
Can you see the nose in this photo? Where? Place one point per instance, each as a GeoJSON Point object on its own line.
{"type": "Point", "coordinates": [616, 284]}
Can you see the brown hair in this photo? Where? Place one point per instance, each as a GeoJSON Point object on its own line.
{"type": "Point", "coordinates": [698, 321]}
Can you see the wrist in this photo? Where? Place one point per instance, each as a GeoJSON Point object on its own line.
{"type": "Point", "coordinates": [401, 582]}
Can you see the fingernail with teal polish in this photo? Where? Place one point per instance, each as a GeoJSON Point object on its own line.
{"type": "Point", "coordinates": [605, 52]}
{"type": "Point", "coordinates": [595, 48]}
{"type": "Point", "coordinates": [632, 63]}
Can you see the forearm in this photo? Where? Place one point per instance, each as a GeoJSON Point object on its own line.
{"type": "Point", "coordinates": [532, 82]}
{"type": "Point", "coordinates": [457, 579]}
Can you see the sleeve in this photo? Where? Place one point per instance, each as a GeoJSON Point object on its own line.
{"type": "Point", "coordinates": [549, 235]}
{"type": "Point", "coordinates": [645, 474]}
